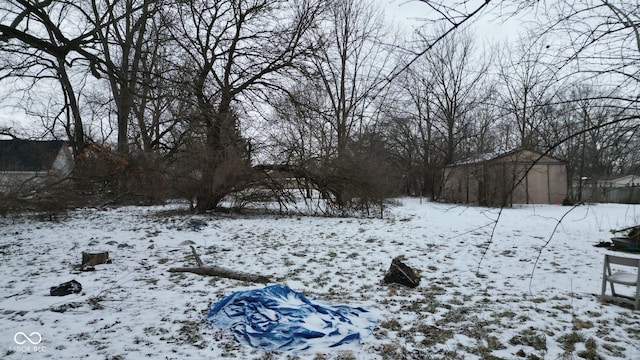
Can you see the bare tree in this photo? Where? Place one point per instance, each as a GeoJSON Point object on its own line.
{"type": "Point", "coordinates": [528, 83]}
{"type": "Point", "coordinates": [445, 16]}
{"type": "Point", "coordinates": [39, 43]}
{"type": "Point", "coordinates": [230, 51]}
{"type": "Point", "coordinates": [135, 46]}
{"type": "Point", "coordinates": [334, 107]}
{"type": "Point", "coordinates": [122, 35]}
{"type": "Point", "coordinates": [349, 73]}
{"type": "Point", "coordinates": [456, 74]}
{"type": "Point", "coordinates": [300, 138]}
{"type": "Point", "coordinates": [411, 131]}
{"type": "Point", "coordinates": [51, 38]}
{"type": "Point", "coordinates": [443, 89]}
{"type": "Point", "coordinates": [158, 109]}
{"type": "Point", "coordinates": [409, 141]}
{"type": "Point", "coordinates": [599, 38]}
{"type": "Point", "coordinates": [585, 131]}
{"type": "Point", "coordinates": [349, 65]}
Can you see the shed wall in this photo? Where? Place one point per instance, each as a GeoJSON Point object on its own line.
{"type": "Point", "coordinates": [518, 178]}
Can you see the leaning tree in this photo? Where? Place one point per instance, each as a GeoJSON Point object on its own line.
{"type": "Point", "coordinates": [231, 52]}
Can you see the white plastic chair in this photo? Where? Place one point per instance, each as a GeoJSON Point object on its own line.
{"type": "Point", "coordinates": [622, 278]}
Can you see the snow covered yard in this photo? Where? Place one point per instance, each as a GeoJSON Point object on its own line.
{"type": "Point", "coordinates": [529, 296]}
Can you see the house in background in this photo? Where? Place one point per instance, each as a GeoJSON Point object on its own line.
{"type": "Point", "coordinates": [33, 163]}
{"type": "Point", "coordinates": [520, 176]}
{"type": "Point", "coordinates": [620, 181]}
{"type": "Point", "coordinates": [608, 189]}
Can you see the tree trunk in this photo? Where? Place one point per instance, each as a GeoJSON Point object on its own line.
{"type": "Point", "coordinates": [224, 165]}
{"type": "Point", "coordinates": [77, 134]}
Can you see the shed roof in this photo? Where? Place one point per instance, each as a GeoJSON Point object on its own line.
{"type": "Point", "coordinates": [508, 156]}
{"type": "Point", "coordinates": [625, 179]}
{"type": "Point", "coordinates": [28, 155]}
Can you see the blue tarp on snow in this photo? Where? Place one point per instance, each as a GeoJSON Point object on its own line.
{"type": "Point", "coordinates": [278, 318]}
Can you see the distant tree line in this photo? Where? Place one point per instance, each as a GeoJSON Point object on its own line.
{"type": "Point", "coordinates": [208, 100]}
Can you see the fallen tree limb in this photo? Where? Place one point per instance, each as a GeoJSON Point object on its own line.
{"type": "Point", "coordinates": [195, 255]}
{"type": "Point", "coordinates": [626, 229]}
{"type": "Point", "coordinates": [218, 271]}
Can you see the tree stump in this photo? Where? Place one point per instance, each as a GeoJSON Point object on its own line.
{"type": "Point", "coordinates": [93, 259]}
{"type": "Point", "coordinates": [400, 273]}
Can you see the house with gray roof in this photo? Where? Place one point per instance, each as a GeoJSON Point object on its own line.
{"type": "Point", "coordinates": [29, 163]}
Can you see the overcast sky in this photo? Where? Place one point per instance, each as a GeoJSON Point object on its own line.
{"type": "Point", "coordinates": [405, 13]}
{"type": "Point", "coordinates": [488, 25]}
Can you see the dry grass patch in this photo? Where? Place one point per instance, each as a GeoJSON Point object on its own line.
{"type": "Point", "coordinates": [392, 325]}
{"type": "Point", "coordinates": [579, 324]}
{"type": "Point", "coordinates": [530, 337]}
{"type": "Point", "coordinates": [432, 334]}
{"type": "Point", "coordinates": [569, 341]}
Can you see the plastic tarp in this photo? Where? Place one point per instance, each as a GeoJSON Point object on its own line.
{"type": "Point", "coordinates": [278, 318]}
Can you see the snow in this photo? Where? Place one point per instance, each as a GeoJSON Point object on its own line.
{"type": "Point", "coordinates": [524, 284]}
